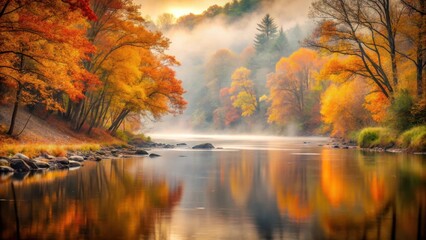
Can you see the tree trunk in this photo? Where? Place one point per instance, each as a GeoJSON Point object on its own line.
{"type": "Point", "coordinates": [420, 55]}
{"type": "Point", "coordinates": [391, 40]}
{"type": "Point", "coordinates": [15, 110]}
{"type": "Point", "coordinates": [116, 123]}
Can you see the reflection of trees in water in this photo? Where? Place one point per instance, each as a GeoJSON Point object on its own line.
{"type": "Point", "coordinates": [368, 206]}
{"type": "Point", "coordinates": [100, 201]}
{"type": "Point", "coordinates": [290, 178]}
{"type": "Point", "coordinates": [344, 194]}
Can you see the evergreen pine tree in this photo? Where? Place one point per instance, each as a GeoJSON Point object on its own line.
{"type": "Point", "coordinates": [282, 47]}
{"type": "Point", "coordinates": [267, 33]}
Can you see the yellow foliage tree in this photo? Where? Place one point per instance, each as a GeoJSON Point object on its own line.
{"type": "Point", "coordinates": [342, 107]}
{"type": "Point", "coordinates": [242, 91]}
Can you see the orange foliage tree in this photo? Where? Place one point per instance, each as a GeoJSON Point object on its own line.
{"type": "Point", "coordinates": [291, 88]}
{"type": "Point", "coordinates": [342, 107]}
{"type": "Point", "coordinates": [227, 114]}
{"type": "Point", "coordinates": [365, 30]}
{"type": "Point", "coordinates": [42, 48]}
{"type": "Point", "coordinates": [131, 63]}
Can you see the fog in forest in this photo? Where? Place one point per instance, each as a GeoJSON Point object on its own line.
{"type": "Point", "coordinates": [194, 47]}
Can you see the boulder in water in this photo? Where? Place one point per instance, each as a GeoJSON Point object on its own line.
{"type": "Point", "coordinates": [152, 155]}
{"type": "Point", "coordinates": [74, 164]}
{"type": "Point", "coordinates": [141, 152]}
{"type": "Point", "coordinates": [41, 164]}
{"type": "Point", "coordinates": [61, 160]}
{"type": "Point", "coordinates": [6, 169]}
{"type": "Point", "coordinates": [76, 158]}
{"type": "Point", "coordinates": [19, 165]}
{"type": "Point", "coordinates": [4, 162]}
{"type": "Point", "coordinates": [32, 164]}
{"type": "Point", "coordinates": [203, 146]}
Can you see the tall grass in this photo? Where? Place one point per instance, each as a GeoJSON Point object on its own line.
{"type": "Point", "coordinates": [414, 139]}
{"type": "Point", "coordinates": [33, 150]}
{"type": "Point", "coordinates": [376, 137]}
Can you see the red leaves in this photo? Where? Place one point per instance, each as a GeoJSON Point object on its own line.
{"type": "Point", "coordinates": [84, 6]}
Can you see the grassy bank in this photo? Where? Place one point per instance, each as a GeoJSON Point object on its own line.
{"type": "Point", "coordinates": [413, 139]}
{"type": "Point", "coordinates": [59, 150]}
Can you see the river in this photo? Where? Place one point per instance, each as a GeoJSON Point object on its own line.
{"type": "Point", "coordinates": [252, 187]}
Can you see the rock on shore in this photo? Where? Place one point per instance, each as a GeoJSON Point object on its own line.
{"type": "Point", "coordinates": [74, 159]}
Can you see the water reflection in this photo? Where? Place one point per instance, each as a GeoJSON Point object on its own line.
{"type": "Point", "coordinates": [100, 201]}
{"type": "Point", "coordinates": [311, 193]}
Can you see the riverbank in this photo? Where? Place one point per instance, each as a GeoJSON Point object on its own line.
{"type": "Point", "coordinates": [385, 139]}
{"type": "Point", "coordinates": [75, 158]}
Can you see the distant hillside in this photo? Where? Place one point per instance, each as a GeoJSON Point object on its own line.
{"type": "Point", "coordinates": [232, 11]}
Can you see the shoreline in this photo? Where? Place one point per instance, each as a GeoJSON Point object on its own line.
{"type": "Point", "coordinates": [75, 158]}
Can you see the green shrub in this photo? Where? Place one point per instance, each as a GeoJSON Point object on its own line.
{"type": "Point", "coordinates": [353, 136]}
{"type": "Point", "coordinates": [124, 135]}
{"type": "Point", "coordinates": [414, 139]}
{"type": "Point", "coordinates": [400, 115]}
{"type": "Point", "coordinates": [142, 137]}
{"type": "Point", "coordinates": [376, 137]}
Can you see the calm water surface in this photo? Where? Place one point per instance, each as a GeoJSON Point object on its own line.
{"type": "Point", "coordinates": [253, 188]}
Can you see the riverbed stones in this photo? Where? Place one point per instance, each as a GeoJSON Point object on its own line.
{"type": "Point", "coordinates": [19, 165]}
{"type": "Point", "coordinates": [204, 146]}
{"type": "Point", "coordinates": [21, 156]}
{"type": "Point", "coordinates": [48, 156]}
{"type": "Point", "coordinates": [101, 152]}
{"type": "Point", "coordinates": [73, 164]}
{"type": "Point", "coordinates": [4, 162]}
{"type": "Point", "coordinates": [76, 158]}
{"type": "Point", "coordinates": [6, 169]}
{"type": "Point", "coordinates": [61, 160]}
{"type": "Point", "coordinates": [32, 164]}
{"type": "Point", "coordinates": [41, 164]}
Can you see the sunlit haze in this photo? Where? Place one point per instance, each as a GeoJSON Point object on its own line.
{"type": "Point", "coordinates": [178, 8]}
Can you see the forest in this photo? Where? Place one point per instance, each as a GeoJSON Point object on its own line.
{"type": "Point", "coordinates": [355, 70]}
{"type": "Point", "coordinates": [94, 64]}
{"type": "Point", "coordinates": [353, 65]}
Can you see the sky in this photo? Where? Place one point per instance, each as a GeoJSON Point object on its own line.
{"type": "Point", "coordinates": [176, 7]}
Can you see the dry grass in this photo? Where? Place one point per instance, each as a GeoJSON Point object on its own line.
{"type": "Point", "coordinates": [33, 150]}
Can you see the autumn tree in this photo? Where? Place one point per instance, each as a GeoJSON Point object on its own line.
{"type": "Point", "coordinates": [414, 39]}
{"type": "Point", "coordinates": [226, 115]}
{"type": "Point", "coordinates": [342, 107]}
{"type": "Point", "coordinates": [243, 95]}
{"type": "Point", "coordinates": [141, 83]}
{"type": "Point", "coordinates": [366, 30]}
{"type": "Point", "coordinates": [291, 88]}
{"type": "Point", "coordinates": [218, 71]}
{"type": "Point", "coordinates": [120, 37]}
{"type": "Point", "coordinates": [43, 46]}
{"type": "Point", "coordinates": [165, 21]}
